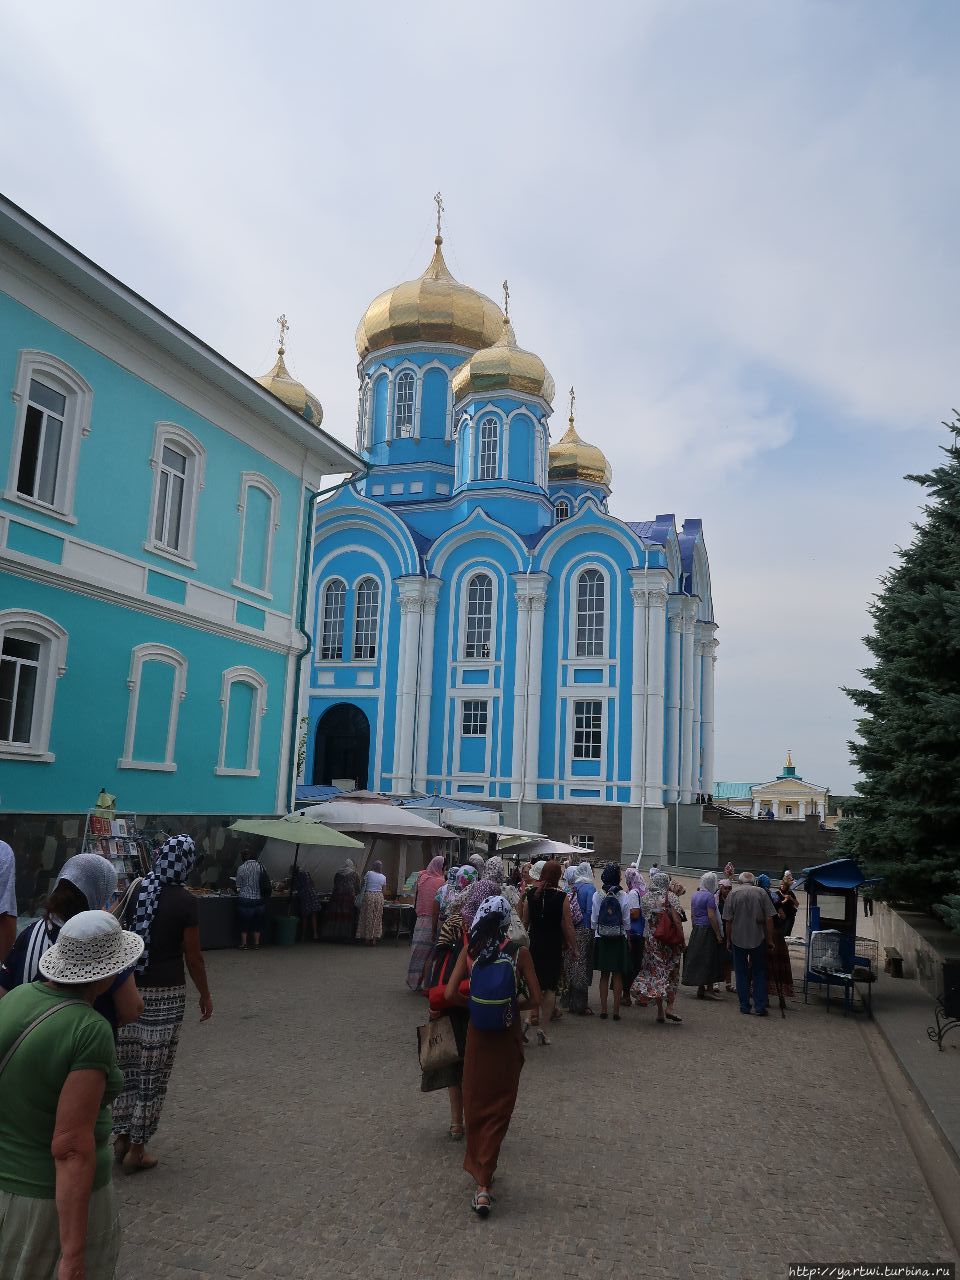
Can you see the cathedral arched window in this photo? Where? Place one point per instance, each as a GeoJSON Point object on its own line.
{"type": "Point", "coordinates": [405, 390]}
{"type": "Point", "coordinates": [488, 450]}
{"type": "Point", "coordinates": [561, 511]}
{"type": "Point", "coordinates": [334, 611]}
{"type": "Point", "coordinates": [591, 611]}
{"type": "Point", "coordinates": [367, 619]}
{"type": "Point", "coordinates": [479, 622]}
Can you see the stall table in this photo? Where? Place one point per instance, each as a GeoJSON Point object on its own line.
{"type": "Point", "coordinates": [218, 918]}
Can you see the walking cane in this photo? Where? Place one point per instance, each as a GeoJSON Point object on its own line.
{"type": "Point", "coordinates": [783, 1003]}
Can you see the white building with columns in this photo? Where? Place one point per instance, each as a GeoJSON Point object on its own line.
{"type": "Point", "coordinates": [483, 628]}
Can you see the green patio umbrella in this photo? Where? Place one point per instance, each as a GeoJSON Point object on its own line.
{"type": "Point", "coordinates": [294, 828]}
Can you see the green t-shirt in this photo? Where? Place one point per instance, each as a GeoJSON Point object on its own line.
{"type": "Point", "coordinates": [72, 1039]}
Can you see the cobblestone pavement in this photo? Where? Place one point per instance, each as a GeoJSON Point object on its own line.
{"type": "Point", "coordinates": [295, 1142]}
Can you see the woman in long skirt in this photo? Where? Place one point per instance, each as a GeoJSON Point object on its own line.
{"type": "Point", "coordinates": [703, 961]}
{"type": "Point", "coordinates": [659, 978]}
{"type": "Point", "coordinates": [493, 1059]}
{"type": "Point", "coordinates": [370, 923]}
{"type": "Point", "coordinates": [580, 967]}
{"type": "Point", "coordinates": [429, 884]}
{"type": "Point", "coordinates": [337, 924]}
{"type": "Point", "coordinates": [779, 969]}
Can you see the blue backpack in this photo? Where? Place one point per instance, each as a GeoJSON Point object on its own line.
{"type": "Point", "coordinates": [610, 916]}
{"type": "Point", "coordinates": [493, 994]}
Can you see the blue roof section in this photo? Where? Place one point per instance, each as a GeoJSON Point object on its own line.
{"type": "Point", "coordinates": [442, 802]}
{"type": "Point", "coordinates": [842, 873]}
{"type": "Point", "coordinates": [733, 790]}
{"type": "Point", "coordinates": [657, 531]}
{"type": "Point", "coordinates": [310, 794]}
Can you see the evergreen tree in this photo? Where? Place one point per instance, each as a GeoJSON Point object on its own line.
{"type": "Point", "coordinates": [904, 824]}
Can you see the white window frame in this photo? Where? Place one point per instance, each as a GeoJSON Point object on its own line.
{"type": "Point", "coordinates": [322, 627]}
{"type": "Point", "coordinates": [36, 628]}
{"type": "Point", "coordinates": [575, 614]}
{"type": "Point", "coordinates": [177, 437]}
{"type": "Point", "coordinates": [254, 480]}
{"type": "Point", "coordinates": [480, 714]}
{"type": "Point", "coordinates": [407, 430]}
{"type": "Point", "coordinates": [574, 702]}
{"type": "Point", "coordinates": [43, 367]}
{"type": "Point", "coordinates": [242, 675]}
{"type": "Point", "coordinates": [464, 610]}
{"type": "Point", "coordinates": [139, 657]}
{"type": "Point", "coordinates": [367, 577]}
{"type": "Point", "coordinates": [557, 517]}
{"type": "Point", "coordinates": [486, 420]}
{"type": "Point", "coordinates": [585, 842]}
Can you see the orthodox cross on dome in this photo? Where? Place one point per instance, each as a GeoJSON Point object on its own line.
{"type": "Point", "coordinates": [506, 300]}
{"type": "Point", "coordinates": [573, 401]}
{"type": "Point", "coordinates": [284, 329]}
{"type": "Point", "coordinates": [441, 210]}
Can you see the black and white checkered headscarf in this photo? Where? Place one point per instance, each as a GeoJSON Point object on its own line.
{"type": "Point", "coordinates": [173, 863]}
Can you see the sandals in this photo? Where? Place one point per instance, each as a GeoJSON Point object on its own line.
{"type": "Point", "coordinates": [456, 1132]}
{"type": "Point", "coordinates": [481, 1204]}
{"type": "Point", "coordinates": [603, 1016]}
{"type": "Point", "coordinates": [672, 1017]}
{"type": "Point", "coordinates": [616, 1017]}
{"type": "Point", "coordinates": [141, 1164]}
{"type": "Point", "coordinates": [541, 1038]}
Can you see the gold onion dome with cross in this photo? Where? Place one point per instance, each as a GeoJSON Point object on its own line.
{"type": "Point", "coordinates": [285, 387]}
{"type": "Point", "coordinates": [504, 367]}
{"type": "Point", "coordinates": [573, 459]}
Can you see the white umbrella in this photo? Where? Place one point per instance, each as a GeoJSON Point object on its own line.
{"type": "Point", "coordinates": [532, 850]}
{"type": "Point", "coordinates": [375, 818]}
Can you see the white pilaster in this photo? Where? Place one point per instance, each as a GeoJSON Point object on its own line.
{"type": "Point", "coordinates": [672, 717]}
{"type": "Point", "coordinates": [518, 759]}
{"type": "Point", "coordinates": [411, 606]}
{"type": "Point", "coordinates": [538, 600]}
{"type": "Point", "coordinates": [531, 596]}
{"type": "Point", "coordinates": [699, 650]}
{"type": "Point", "coordinates": [638, 694]}
{"type": "Point", "coordinates": [425, 682]}
{"type": "Point", "coordinates": [686, 726]}
{"type": "Point", "coordinates": [706, 714]}
{"type": "Point", "coordinates": [657, 640]}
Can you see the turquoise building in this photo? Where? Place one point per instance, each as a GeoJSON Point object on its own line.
{"type": "Point", "coordinates": [483, 627]}
{"type": "Point", "coordinates": [154, 513]}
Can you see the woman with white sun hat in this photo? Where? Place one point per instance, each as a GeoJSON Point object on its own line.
{"type": "Point", "coordinates": [58, 1076]}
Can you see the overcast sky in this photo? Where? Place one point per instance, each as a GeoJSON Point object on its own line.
{"type": "Point", "coordinates": [732, 226]}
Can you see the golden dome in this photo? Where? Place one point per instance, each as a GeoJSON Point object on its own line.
{"type": "Point", "coordinates": [432, 308]}
{"type": "Point", "coordinates": [504, 367]}
{"type": "Point", "coordinates": [573, 459]}
{"type": "Point", "coordinates": [293, 393]}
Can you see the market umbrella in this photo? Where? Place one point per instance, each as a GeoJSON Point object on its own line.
{"type": "Point", "coordinates": [298, 829]}
{"type": "Point", "coordinates": [373, 817]}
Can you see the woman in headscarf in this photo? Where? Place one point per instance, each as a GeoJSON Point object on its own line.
{"type": "Point", "coordinates": [477, 861]}
{"type": "Point", "coordinates": [545, 912]}
{"type": "Point", "coordinates": [337, 923]}
{"type": "Point", "coordinates": [636, 888]}
{"type": "Point", "coordinates": [450, 937]}
{"type": "Point", "coordinates": [611, 955]}
{"type": "Point", "coordinates": [703, 960]}
{"type": "Point", "coordinates": [165, 916]}
{"type": "Point", "coordinates": [370, 921]}
{"type": "Point", "coordinates": [429, 883]}
{"type": "Point", "coordinates": [493, 1059]}
{"type": "Point", "coordinates": [660, 975]}
{"type": "Point", "coordinates": [779, 969]}
{"type": "Point", "coordinates": [87, 882]}
{"type": "Point", "coordinates": [580, 965]}
{"type": "Point", "coordinates": [477, 892]}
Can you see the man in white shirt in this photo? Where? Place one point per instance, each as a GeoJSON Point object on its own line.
{"type": "Point", "coordinates": [8, 899]}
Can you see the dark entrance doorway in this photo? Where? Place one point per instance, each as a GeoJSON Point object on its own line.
{"type": "Point", "coordinates": [342, 746]}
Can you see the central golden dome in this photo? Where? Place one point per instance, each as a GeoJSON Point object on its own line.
{"type": "Point", "coordinates": [504, 367]}
{"type": "Point", "coordinates": [433, 308]}
{"type": "Point", "coordinates": [573, 459]}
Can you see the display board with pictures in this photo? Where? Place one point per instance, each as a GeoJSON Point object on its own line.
{"type": "Point", "coordinates": [118, 838]}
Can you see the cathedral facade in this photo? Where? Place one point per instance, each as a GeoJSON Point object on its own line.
{"type": "Point", "coordinates": [483, 628]}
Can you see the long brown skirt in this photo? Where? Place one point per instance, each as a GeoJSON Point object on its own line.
{"type": "Point", "coordinates": [779, 967]}
{"type": "Point", "coordinates": [491, 1077]}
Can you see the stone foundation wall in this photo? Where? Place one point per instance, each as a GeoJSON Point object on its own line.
{"type": "Point", "coordinates": [760, 845]}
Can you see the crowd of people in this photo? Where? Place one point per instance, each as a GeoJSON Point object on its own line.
{"type": "Point", "coordinates": [503, 956]}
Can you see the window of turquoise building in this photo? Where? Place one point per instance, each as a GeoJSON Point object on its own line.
{"type": "Point", "coordinates": [405, 393]}
{"type": "Point", "coordinates": [367, 619]}
{"type": "Point", "coordinates": [473, 723]}
{"type": "Point", "coordinates": [158, 684]}
{"type": "Point", "coordinates": [32, 657]}
{"type": "Point", "coordinates": [178, 464]}
{"type": "Point", "coordinates": [243, 696]}
{"type": "Point", "coordinates": [259, 508]}
{"type": "Point", "coordinates": [488, 450]}
{"type": "Point", "coordinates": [334, 612]}
{"type": "Point", "coordinates": [479, 623]}
{"type": "Point", "coordinates": [54, 417]}
{"type": "Point", "coordinates": [591, 611]}
{"type": "Point", "coordinates": [561, 511]}
{"type": "Point", "coordinates": [587, 730]}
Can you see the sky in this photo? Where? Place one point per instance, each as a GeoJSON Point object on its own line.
{"type": "Point", "coordinates": [731, 226]}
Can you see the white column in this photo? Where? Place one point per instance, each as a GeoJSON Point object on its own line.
{"type": "Point", "coordinates": [656, 636]}
{"type": "Point", "coordinates": [425, 682]}
{"type": "Point", "coordinates": [518, 759]}
{"type": "Point", "coordinates": [699, 650]}
{"type": "Point", "coordinates": [673, 707]}
{"type": "Point", "coordinates": [686, 728]}
{"type": "Point", "coordinates": [638, 695]}
{"type": "Point", "coordinates": [706, 714]}
{"type": "Point", "coordinates": [538, 602]}
{"type": "Point", "coordinates": [531, 603]}
{"type": "Point", "coordinates": [411, 606]}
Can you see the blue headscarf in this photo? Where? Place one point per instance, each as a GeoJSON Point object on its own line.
{"type": "Point", "coordinates": [763, 882]}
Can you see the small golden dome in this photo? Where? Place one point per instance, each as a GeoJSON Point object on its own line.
{"type": "Point", "coordinates": [433, 308]}
{"type": "Point", "coordinates": [573, 459]}
{"type": "Point", "coordinates": [293, 393]}
{"type": "Point", "coordinates": [504, 367]}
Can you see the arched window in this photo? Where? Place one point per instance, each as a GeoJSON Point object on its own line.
{"type": "Point", "coordinates": [334, 610]}
{"type": "Point", "coordinates": [367, 619]}
{"type": "Point", "coordinates": [590, 614]}
{"type": "Point", "coordinates": [243, 699]}
{"type": "Point", "coordinates": [479, 616]}
{"type": "Point", "coordinates": [259, 508]}
{"type": "Point", "coordinates": [53, 417]}
{"type": "Point", "coordinates": [488, 450]}
{"type": "Point", "coordinates": [561, 511]}
{"type": "Point", "coordinates": [157, 684]}
{"type": "Point", "coordinates": [32, 657]}
{"type": "Point", "coordinates": [405, 389]}
{"type": "Point", "coordinates": [177, 462]}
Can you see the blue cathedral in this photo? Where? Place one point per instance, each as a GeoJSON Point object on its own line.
{"type": "Point", "coordinates": [483, 628]}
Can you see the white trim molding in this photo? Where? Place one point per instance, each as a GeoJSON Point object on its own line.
{"type": "Point", "coordinates": [170, 433]}
{"type": "Point", "coordinates": [140, 656]}
{"type": "Point", "coordinates": [78, 393]}
{"type": "Point", "coordinates": [254, 480]}
{"type": "Point", "coordinates": [36, 628]}
{"type": "Point", "coordinates": [247, 676]}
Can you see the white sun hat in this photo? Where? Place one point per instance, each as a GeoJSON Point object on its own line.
{"type": "Point", "coordinates": [90, 946]}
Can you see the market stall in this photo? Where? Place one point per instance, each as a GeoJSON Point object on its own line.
{"type": "Point", "coordinates": [835, 956]}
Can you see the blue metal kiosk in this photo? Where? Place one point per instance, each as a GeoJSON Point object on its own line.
{"type": "Point", "coordinates": [835, 956]}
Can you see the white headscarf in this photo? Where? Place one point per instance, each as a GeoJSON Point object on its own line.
{"type": "Point", "coordinates": [584, 873]}
{"type": "Point", "coordinates": [93, 875]}
{"type": "Point", "coordinates": [709, 882]}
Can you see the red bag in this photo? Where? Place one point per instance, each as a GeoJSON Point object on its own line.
{"type": "Point", "coordinates": [668, 932]}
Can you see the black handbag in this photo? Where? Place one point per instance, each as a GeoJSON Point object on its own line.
{"type": "Point", "coordinates": [266, 888]}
